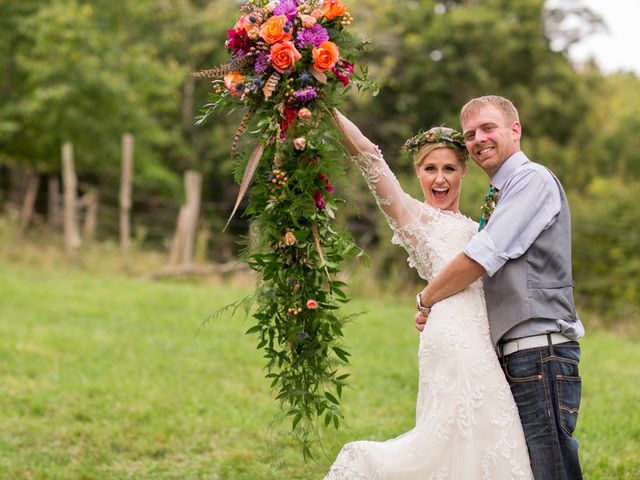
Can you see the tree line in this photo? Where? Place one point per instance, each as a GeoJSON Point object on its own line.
{"type": "Point", "coordinates": [88, 72]}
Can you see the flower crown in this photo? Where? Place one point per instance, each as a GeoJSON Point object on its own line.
{"type": "Point", "coordinates": [450, 137]}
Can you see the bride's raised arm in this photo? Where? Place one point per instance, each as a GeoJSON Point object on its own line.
{"type": "Point", "coordinates": [394, 202]}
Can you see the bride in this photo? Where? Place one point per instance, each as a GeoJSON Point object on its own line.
{"type": "Point", "coordinates": [467, 423]}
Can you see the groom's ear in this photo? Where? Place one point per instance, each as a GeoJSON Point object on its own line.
{"type": "Point", "coordinates": [516, 131]}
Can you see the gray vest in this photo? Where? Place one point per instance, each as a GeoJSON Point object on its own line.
{"type": "Point", "coordinates": [538, 284]}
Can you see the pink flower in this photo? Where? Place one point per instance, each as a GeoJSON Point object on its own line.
{"type": "Point", "coordinates": [312, 304]}
{"type": "Point", "coordinates": [325, 180]}
{"type": "Point", "coordinates": [308, 21]}
{"type": "Point", "coordinates": [304, 114]}
{"type": "Point", "coordinates": [290, 239]}
{"type": "Point", "coordinates": [319, 199]}
{"type": "Point", "coordinates": [300, 143]}
{"type": "Point", "coordinates": [343, 70]}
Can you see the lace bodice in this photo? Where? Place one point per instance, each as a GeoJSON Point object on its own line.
{"type": "Point", "coordinates": [431, 237]}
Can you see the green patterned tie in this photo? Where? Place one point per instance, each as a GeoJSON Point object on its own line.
{"type": "Point", "coordinates": [490, 201]}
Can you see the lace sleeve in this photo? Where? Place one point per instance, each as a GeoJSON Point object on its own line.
{"type": "Point", "coordinates": [399, 208]}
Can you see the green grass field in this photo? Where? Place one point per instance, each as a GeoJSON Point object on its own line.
{"type": "Point", "coordinates": [104, 377]}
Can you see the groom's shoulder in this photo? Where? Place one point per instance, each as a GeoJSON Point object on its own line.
{"type": "Point", "coordinates": [532, 173]}
{"type": "Point", "coordinates": [537, 170]}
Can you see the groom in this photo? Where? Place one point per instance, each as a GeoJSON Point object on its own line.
{"type": "Point", "coordinates": [523, 254]}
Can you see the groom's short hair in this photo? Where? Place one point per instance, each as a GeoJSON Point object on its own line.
{"type": "Point", "coordinates": [504, 105]}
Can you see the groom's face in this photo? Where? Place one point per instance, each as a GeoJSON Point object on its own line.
{"type": "Point", "coordinates": [490, 138]}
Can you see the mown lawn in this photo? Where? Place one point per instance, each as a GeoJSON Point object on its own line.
{"type": "Point", "coordinates": [104, 377]}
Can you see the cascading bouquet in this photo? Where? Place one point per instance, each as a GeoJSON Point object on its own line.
{"type": "Point", "coordinates": [291, 62]}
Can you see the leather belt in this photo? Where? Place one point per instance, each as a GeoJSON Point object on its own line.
{"type": "Point", "coordinates": [535, 341]}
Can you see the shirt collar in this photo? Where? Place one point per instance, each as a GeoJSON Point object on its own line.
{"type": "Point", "coordinates": [507, 168]}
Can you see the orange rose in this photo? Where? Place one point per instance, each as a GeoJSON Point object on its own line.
{"type": "Point", "coordinates": [333, 9]}
{"type": "Point", "coordinates": [275, 30]}
{"type": "Point", "coordinates": [231, 80]}
{"type": "Point", "coordinates": [317, 13]}
{"type": "Point", "coordinates": [283, 56]}
{"type": "Point", "coordinates": [325, 56]}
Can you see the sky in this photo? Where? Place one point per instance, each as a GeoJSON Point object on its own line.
{"type": "Point", "coordinates": [617, 49]}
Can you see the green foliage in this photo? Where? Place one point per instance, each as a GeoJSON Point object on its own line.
{"type": "Point", "coordinates": [298, 256]}
{"type": "Point", "coordinates": [296, 248]}
{"type": "Point", "coordinates": [605, 249]}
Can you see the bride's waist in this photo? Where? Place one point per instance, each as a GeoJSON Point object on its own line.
{"type": "Point", "coordinates": [472, 296]}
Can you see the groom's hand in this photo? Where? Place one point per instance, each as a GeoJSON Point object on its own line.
{"type": "Point", "coordinates": [421, 320]}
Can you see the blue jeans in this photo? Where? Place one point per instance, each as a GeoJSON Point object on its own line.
{"type": "Point", "coordinates": [546, 387]}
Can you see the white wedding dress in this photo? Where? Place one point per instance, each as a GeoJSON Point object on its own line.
{"type": "Point", "coordinates": [467, 423]}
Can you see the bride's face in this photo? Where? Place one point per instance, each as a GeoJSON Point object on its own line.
{"type": "Point", "coordinates": [440, 175]}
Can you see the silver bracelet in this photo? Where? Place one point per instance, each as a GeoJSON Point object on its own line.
{"type": "Point", "coordinates": [421, 307]}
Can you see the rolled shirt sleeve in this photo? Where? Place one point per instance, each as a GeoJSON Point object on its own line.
{"type": "Point", "coordinates": [529, 203]}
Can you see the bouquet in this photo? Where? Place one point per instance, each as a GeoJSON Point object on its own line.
{"type": "Point", "coordinates": [291, 62]}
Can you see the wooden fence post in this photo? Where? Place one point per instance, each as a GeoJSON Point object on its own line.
{"type": "Point", "coordinates": [30, 196]}
{"type": "Point", "coordinates": [193, 186]}
{"type": "Point", "coordinates": [125, 196]}
{"type": "Point", "coordinates": [90, 201]}
{"type": "Point", "coordinates": [54, 202]}
{"type": "Point", "coordinates": [71, 234]}
{"type": "Point", "coordinates": [187, 226]}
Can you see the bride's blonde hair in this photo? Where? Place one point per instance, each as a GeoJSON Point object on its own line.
{"type": "Point", "coordinates": [427, 148]}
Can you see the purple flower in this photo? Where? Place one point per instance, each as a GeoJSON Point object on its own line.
{"type": "Point", "coordinates": [263, 59]}
{"type": "Point", "coordinates": [305, 95]}
{"type": "Point", "coordinates": [314, 36]}
{"type": "Point", "coordinates": [288, 8]}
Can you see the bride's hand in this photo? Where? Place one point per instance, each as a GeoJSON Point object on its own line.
{"type": "Point", "coordinates": [351, 136]}
{"type": "Point", "coordinates": [421, 320]}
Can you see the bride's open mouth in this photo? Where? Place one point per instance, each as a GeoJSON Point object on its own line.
{"type": "Point", "coordinates": [440, 193]}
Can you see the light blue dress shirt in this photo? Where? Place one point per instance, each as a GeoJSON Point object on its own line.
{"type": "Point", "coordinates": [529, 203]}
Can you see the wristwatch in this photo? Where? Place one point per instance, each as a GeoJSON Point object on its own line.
{"type": "Point", "coordinates": [419, 305]}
